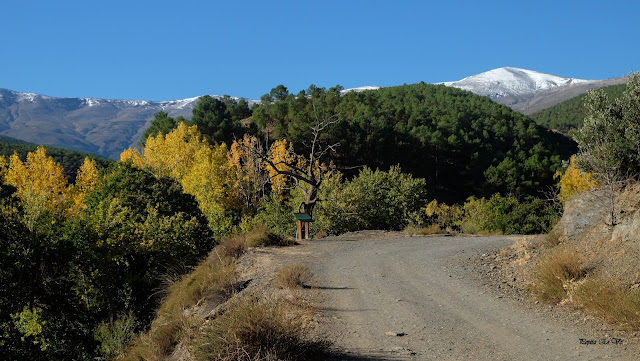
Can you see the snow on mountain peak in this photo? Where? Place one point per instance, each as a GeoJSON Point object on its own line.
{"type": "Point", "coordinates": [360, 89]}
{"type": "Point", "coordinates": [510, 81]}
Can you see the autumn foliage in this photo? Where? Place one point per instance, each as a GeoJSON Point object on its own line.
{"type": "Point", "coordinates": [573, 181]}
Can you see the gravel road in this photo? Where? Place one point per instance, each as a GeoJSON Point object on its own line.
{"type": "Point", "coordinates": [387, 296]}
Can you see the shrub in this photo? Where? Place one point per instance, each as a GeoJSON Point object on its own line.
{"type": "Point", "coordinates": [293, 276]}
{"type": "Point", "coordinates": [573, 181]}
{"type": "Point", "coordinates": [443, 215]}
{"type": "Point", "coordinates": [275, 214]}
{"type": "Point", "coordinates": [554, 270]}
{"type": "Point", "coordinates": [257, 328]}
{"type": "Point", "coordinates": [114, 336]}
{"type": "Point", "coordinates": [260, 235]}
{"type": "Point", "coordinates": [476, 215]}
{"type": "Point", "coordinates": [383, 200]}
{"type": "Point", "coordinates": [606, 298]}
{"type": "Point", "coordinates": [508, 215]}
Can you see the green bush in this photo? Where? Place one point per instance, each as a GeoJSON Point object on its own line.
{"type": "Point", "coordinates": [275, 214]}
{"type": "Point", "coordinates": [114, 336]}
{"type": "Point", "coordinates": [512, 216]}
{"type": "Point", "coordinates": [498, 214]}
{"type": "Point", "coordinates": [380, 200]}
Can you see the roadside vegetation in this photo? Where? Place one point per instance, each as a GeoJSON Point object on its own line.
{"type": "Point", "coordinates": [589, 259]}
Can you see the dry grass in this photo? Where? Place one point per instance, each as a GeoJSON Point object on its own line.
{"type": "Point", "coordinates": [414, 230]}
{"type": "Point", "coordinates": [293, 276]}
{"type": "Point", "coordinates": [258, 328]}
{"type": "Point", "coordinates": [554, 270]}
{"type": "Point", "coordinates": [180, 317]}
{"type": "Point", "coordinates": [606, 298]}
{"type": "Point", "coordinates": [549, 240]}
{"type": "Point", "coordinates": [231, 247]}
{"type": "Point", "coordinates": [262, 236]}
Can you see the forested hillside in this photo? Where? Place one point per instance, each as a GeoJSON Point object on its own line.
{"type": "Point", "coordinates": [461, 143]}
{"type": "Point", "coordinates": [569, 115]}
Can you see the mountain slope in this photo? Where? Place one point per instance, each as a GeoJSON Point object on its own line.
{"type": "Point", "coordinates": [528, 91]}
{"type": "Point", "coordinates": [100, 126]}
{"type": "Point", "coordinates": [570, 113]}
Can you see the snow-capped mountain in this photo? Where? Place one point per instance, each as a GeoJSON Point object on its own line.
{"type": "Point", "coordinates": [101, 126]}
{"type": "Point", "coordinates": [527, 91]}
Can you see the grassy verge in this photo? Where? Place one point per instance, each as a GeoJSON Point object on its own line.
{"type": "Point", "coordinates": [604, 297]}
{"type": "Point", "coordinates": [260, 236]}
{"type": "Point", "coordinates": [212, 280]}
{"type": "Point", "coordinates": [258, 328]}
{"type": "Point", "coordinates": [273, 326]}
{"type": "Point", "coordinates": [414, 230]}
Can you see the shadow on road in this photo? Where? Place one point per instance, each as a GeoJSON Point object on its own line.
{"type": "Point", "coordinates": [326, 288]}
{"type": "Point", "coordinates": [340, 356]}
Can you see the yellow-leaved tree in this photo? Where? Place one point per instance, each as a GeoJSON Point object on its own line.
{"type": "Point", "coordinates": [248, 173]}
{"type": "Point", "coordinates": [87, 178]}
{"type": "Point", "coordinates": [280, 154]}
{"type": "Point", "coordinates": [40, 183]}
{"type": "Point", "coordinates": [201, 169]}
{"type": "Point", "coordinates": [3, 167]}
{"type": "Point", "coordinates": [208, 181]}
{"type": "Point", "coordinates": [173, 155]}
{"type": "Point", "coordinates": [573, 181]}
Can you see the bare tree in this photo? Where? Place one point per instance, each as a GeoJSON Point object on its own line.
{"type": "Point", "coordinates": [308, 175]}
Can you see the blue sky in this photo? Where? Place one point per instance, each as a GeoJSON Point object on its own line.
{"type": "Point", "coordinates": [162, 50]}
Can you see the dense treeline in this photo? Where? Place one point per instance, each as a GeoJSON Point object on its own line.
{"type": "Point", "coordinates": [461, 143]}
{"type": "Point", "coordinates": [569, 115]}
{"type": "Point", "coordinates": [69, 159]}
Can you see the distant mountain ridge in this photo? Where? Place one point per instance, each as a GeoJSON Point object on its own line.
{"type": "Point", "coordinates": [108, 126]}
{"type": "Point", "coordinates": [528, 91]}
{"type": "Point", "coordinates": [99, 126]}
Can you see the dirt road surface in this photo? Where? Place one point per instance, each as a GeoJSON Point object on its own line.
{"type": "Point", "coordinates": [387, 297]}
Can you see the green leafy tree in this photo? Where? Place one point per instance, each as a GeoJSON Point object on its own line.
{"type": "Point", "coordinates": [214, 120]}
{"type": "Point", "coordinates": [609, 140]}
{"type": "Point", "coordinates": [162, 123]}
{"type": "Point", "coordinates": [144, 227]}
{"type": "Point", "coordinates": [279, 93]}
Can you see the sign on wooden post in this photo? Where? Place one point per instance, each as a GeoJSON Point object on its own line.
{"type": "Point", "coordinates": [303, 225]}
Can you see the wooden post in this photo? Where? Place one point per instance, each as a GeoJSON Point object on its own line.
{"type": "Point", "coordinates": [299, 235]}
{"type": "Point", "coordinates": [306, 230]}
